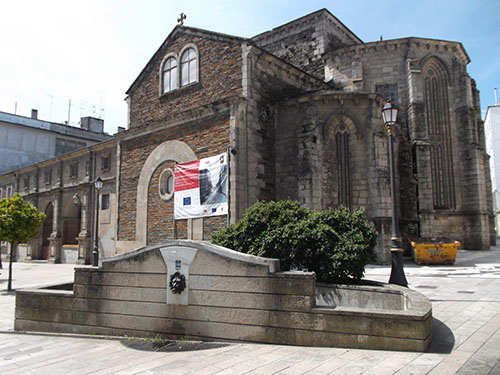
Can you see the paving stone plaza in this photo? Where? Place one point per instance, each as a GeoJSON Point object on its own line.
{"type": "Point", "coordinates": [466, 310]}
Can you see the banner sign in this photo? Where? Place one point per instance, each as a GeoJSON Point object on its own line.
{"type": "Point", "coordinates": [201, 188]}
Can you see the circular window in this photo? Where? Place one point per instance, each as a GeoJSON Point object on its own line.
{"type": "Point", "coordinates": [166, 185]}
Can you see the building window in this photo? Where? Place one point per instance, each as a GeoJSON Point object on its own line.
{"type": "Point", "coordinates": [105, 202]}
{"type": "Point", "coordinates": [189, 66]}
{"type": "Point", "coordinates": [73, 170]}
{"type": "Point", "coordinates": [9, 191]}
{"type": "Point", "coordinates": [26, 183]}
{"type": "Point", "coordinates": [344, 179]}
{"type": "Point", "coordinates": [169, 73]}
{"type": "Point", "coordinates": [166, 184]}
{"type": "Point", "coordinates": [389, 92]}
{"type": "Point", "coordinates": [47, 176]}
{"type": "Point", "coordinates": [106, 163]}
{"type": "Point", "coordinates": [437, 120]}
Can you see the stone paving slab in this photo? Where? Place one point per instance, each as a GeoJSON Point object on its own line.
{"type": "Point", "coordinates": [466, 310]}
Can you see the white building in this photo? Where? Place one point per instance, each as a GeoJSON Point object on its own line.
{"type": "Point", "coordinates": [26, 141]}
{"type": "Point", "coordinates": [492, 126]}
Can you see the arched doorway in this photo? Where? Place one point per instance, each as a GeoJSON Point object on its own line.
{"type": "Point", "coordinates": [71, 223]}
{"type": "Point", "coordinates": [47, 230]}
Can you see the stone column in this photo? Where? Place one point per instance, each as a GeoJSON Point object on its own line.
{"type": "Point", "coordinates": [84, 235]}
{"type": "Point", "coordinates": [55, 237]}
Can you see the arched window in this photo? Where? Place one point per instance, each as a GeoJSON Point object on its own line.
{"type": "Point", "coordinates": [437, 117]}
{"type": "Point", "coordinates": [169, 74]}
{"type": "Point", "coordinates": [344, 180]}
{"type": "Point", "coordinates": [189, 66]}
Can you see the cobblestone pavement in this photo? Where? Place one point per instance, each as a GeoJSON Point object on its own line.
{"type": "Point", "coordinates": [466, 310]}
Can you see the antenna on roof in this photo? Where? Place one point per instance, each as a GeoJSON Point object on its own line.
{"type": "Point", "coordinates": [181, 19]}
{"type": "Point", "coordinates": [496, 96]}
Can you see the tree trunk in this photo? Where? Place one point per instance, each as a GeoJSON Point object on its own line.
{"type": "Point", "coordinates": [12, 247]}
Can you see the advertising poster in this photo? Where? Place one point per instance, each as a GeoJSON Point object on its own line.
{"type": "Point", "coordinates": [201, 188]}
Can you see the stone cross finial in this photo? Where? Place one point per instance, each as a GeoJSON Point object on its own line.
{"type": "Point", "coordinates": [181, 19]}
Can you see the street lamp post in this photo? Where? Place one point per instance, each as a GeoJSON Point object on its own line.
{"type": "Point", "coordinates": [95, 252]}
{"type": "Point", "coordinates": [390, 113]}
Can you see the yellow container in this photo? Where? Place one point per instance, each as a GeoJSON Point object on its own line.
{"type": "Point", "coordinates": [434, 253]}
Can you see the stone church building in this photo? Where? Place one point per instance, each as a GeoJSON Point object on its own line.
{"type": "Point", "coordinates": [298, 109]}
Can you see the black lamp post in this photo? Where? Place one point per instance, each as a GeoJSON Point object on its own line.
{"type": "Point", "coordinates": [95, 252]}
{"type": "Point", "coordinates": [390, 113]}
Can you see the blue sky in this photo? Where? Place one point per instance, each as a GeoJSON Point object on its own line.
{"type": "Point", "coordinates": [90, 51]}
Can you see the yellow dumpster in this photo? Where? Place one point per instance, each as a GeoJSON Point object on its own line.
{"type": "Point", "coordinates": [428, 252]}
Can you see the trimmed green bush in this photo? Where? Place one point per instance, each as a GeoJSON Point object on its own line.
{"type": "Point", "coordinates": [335, 244]}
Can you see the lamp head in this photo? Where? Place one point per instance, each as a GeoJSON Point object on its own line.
{"type": "Point", "coordinates": [98, 183]}
{"type": "Point", "coordinates": [389, 113]}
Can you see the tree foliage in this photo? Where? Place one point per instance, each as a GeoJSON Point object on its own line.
{"type": "Point", "coordinates": [18, 223]}
{"type": "Point", "coordinates": [335, 244]}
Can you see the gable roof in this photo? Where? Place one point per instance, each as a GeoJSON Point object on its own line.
{"type": "Point", "coordinates": [303, 19]}
{"type": "Point", "coordinates": [180, 29]}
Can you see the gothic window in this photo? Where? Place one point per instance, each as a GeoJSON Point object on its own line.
{"type": "Point", "coordinates": [438, 130]}
{"type": "Point", "coordinates": [189, 66]}
{"type": "Point", "coordinates": [26, 183]}
{"type": "Point", "coordinates": [344, 185]}
{"type": "Point", "coordinates": [169, 74]}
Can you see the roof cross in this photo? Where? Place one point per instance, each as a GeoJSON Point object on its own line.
{"type": "Point", "coordinates": [181, 19]}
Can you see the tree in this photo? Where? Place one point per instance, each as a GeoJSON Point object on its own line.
{"type": "Point", "coordinates": [18, 223]}
{"type": "Point", "coordinates": [335, 244]}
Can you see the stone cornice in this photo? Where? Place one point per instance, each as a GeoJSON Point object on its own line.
{"type": "Point", "coordinates": [199, 113]}
{"type": "Point", "coordinates": [335, 95]}
{"type": "Point", "coordinates": [430, 45]}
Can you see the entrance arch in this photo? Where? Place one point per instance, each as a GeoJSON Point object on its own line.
{"type": "Point", "coordinates": [71, 223]}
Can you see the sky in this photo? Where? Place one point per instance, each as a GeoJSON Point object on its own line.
{"type": "Point", "coordinates": [88, 52]}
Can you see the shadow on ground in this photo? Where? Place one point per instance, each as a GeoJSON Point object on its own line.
{"type": "Point", "coordinates": [170, 345]}
{"type": "Point", "coordinates": [443, 339]}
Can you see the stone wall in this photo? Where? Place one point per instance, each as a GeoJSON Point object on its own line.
{"type": "Point", "coordinates": [219, 77]}
{"type": "Point", "coordinates": [205, 137]}
{"type": "Point", "coordinates": [307, 167]}
{"type": "Point", "coordinates": [228, 296]}
{"type": "Point", "coordinates": [267, 81]}
{"type": "Point", "coordinates": [302, 42]}
{"type": "Point", "coordinates": [394, 68]}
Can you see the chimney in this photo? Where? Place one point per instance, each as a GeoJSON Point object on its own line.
{"type": "Point", "coordinates": [34, 114]}
{"type": "Point", "coordinates": [92, 124]}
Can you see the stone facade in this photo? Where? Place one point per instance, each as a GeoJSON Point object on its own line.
{"type": "Point", "coordinates": [298, 109]}
{"type": "Point", "coordinates": [54, 186]}
{"type": "Point", "coordinates": [227, 296]}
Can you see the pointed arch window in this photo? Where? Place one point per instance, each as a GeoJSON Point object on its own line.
{"type": "Point", "coordinates": [344, 178]}
{"type": "Point", "coordinates": [169, 74]}
{"type": "Point", "coordinates": [437, 117]}
{"type": "Point", "coordinates": [189, 66]}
